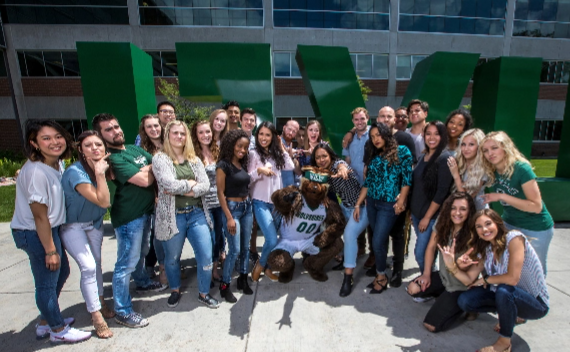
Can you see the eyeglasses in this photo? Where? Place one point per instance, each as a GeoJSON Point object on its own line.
{"type": "Point", "coordinates": [167, 112]}
{"type": "Point", "coordinates": [401, 116]}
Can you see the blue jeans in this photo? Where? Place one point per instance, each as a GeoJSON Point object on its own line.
{"type": "Point", "coordinates": [239, 243]}
{"type": "Point", "coordinates": [193, 226]}
{"type": "Point", "coordinates": [217, 233]}
{"type": "Point", "coordinates": [156, 244]}
{"type": "Point", "coordinates": [351, 232]}
{"type": "Point", "coordinates": [508, 301]}
{"type": "Point", "coordinates": [540, 241]}
{"type": "Point", "coordinates": [133, 242]}
{"type": "Point", "coordinates": [422, 240]}
{"type": "Point", "coordinates": [382, 217]}
{"type": "Point", "coordinates": [48, 283]}
{"type": "Point", "coordinates": [269, 224]}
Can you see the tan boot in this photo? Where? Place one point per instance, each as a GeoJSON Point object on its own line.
{"type": "Point", "coordinates": [256, 272]}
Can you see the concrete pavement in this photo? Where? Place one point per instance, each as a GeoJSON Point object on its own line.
{"type": "Point", "coordinates": [303, 315]}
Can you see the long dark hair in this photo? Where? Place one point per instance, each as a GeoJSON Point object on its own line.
{"type": "Point", "coordinates": [81, 156]}
{"type": "Point", "coordinates": [274, 151]}
{"type": "Point", "coordinates": [444, 225]}
{"type": "Point", "coordinates": [466, 116]}
{"type": "Point", "coordinates": [390, 149]}
{"type": "Point", "coordinates": [146, 142]}
{"type": "Point", "coordinates": [31, 133]}
{"type": "Point", "coordinates": [431, 169]}
{"type": "Point", "coordinates": [228, 144]}
{"type": "Point", "coordinates": [481, 245]}
{"type": "Point", "coordinates": [328, 149]}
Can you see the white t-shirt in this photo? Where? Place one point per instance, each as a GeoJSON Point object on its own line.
{"type": "Point", "coordinates": [38, 183]}
{"type": "Point", "coordinates": [305, 225]}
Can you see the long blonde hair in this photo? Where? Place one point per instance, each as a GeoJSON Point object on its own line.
{"type": "Point", "coordinates": [476, 171]}
{"type": "Point", "coordinates": [512, 154]}
{"type": "Point", "coordinates": [188, 152]}
{"type": "Point", "coordinates": [224, 131]}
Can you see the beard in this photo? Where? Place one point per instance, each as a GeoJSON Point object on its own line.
{"type": "Point", "coordinates": [118, 141]}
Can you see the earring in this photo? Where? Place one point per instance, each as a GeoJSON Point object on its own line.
{"type": "Point", "coordinates": [38, 149]}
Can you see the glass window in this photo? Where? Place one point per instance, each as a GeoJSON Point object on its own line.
{"type": "Point", "coordinates": [53, 63]}
{"type": "Point", "coordinates": [364, 65]}
{"type": "Point", "coordinates": [344, 14]}
{"type": "Point", "coordinates": [282, 64]}
{"type": "Point", "coordinates": [3, 71]}
{"type": "Point", "coordinates": [555, 72]}
{"type": "Point", "coordinates": [380, 66]}
{"type": "Point", "coordinates": [218, 13]}
{"type": "Point", "coordinates": [404, 66]}
{"type": "Point", "coordinates": [453, 16]}
{"type": "Point", "coordinates": [65, 12]}
{"type": "Point", "coordinates": [542, 18]}
{"type": "Point", "coordinates": [35, 63]}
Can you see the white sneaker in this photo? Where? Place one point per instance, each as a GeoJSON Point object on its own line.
{"type": "Point", "coordinates": [422, 299]}
{"type": "Point", "coordinates": [42, 331]}
{"type": "Point", "coordinates": [69, 335]}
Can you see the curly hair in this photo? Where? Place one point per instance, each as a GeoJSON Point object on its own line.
{"type": "Point", "coordinates": [228, 144]}
{"type": "Point", "coordinates": [214, 149]}
{"type": "Point", "coordinates": [31, 135]}
{"type": "Point", "coordinates": [512, 155]}
{"type": "Point", "coordinates": [466, 117]}
{"type": "Point", "coordinates": [146, 142]}
{"type": "Point", "coordinates": [444, 225]}
{"type": "Point", "coordinates": [431, 169]}
{"type": "Point", "coordinates": [475, 172]}
{"type": "Point", "coordinates": [390, 149]}
{"type": "Point", "coordinates": [479, 244]}
{"type": "Point", "coordinates": [274, 151]}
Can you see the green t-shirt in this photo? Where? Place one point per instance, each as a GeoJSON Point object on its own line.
{"type": "Point", "coordinates": [530, 221]}
{"type": "Point", "coordinates": [184, 172]}
{"type": "Point", "coordinates": [131, 201]}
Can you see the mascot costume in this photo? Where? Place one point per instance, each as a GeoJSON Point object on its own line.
{"type": "Point", "coordinates": [304, 210]}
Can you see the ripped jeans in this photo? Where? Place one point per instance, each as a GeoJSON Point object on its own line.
{"type": "Point", "coordinates": [192, 225]}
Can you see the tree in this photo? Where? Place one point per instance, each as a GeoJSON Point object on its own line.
{"type": "Point", "coordinates": [186, 110]}
{"type": "Point", "coordinates": [364, 89]}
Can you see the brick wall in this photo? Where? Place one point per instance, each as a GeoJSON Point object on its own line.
{"type": "Point", "coordinates": [289, 86]}
{"type": "Point", "coordinates": [11, 139]}
{"type": "Point", "coordinates": [4, 87]}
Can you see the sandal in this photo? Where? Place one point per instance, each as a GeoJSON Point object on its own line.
{"type": "Point", "coordinates": [383, 283]}
{"type": "Point", "coordinates": [519, 321]}
{"type": "Point", "coordinates": [102, 330]}
{"type": "Point", "coordinates": [107, 313]}
{"type": "Point", "coordinates": [492, 349]}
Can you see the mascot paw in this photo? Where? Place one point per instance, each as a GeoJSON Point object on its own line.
{"type": "Point", "coordinates": [319, 276]}
{"type": "Point", "coordinates": [290, 198]}
{"type": "Point", "coordinates": [285, 277]}
{"type": "Point", "coordinates": [319, 241]}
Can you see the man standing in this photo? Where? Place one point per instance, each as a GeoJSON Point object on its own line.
{"type": "Point", "coordinates": [402, 119]}
{"type": "Point", "coordinates": [386, 115]}
{"type": "Point", "coordinates": [130, 215]}
{"type": "Point", "coordinates": [232, 109]}
{"type": "Point", "coordinates": [417, 112]}
{"type": "Point", "coordinates": [248, 120]}
{"type": "Point", "coordinates": [290, 130]}
{"type": "Point", "coordinates": [166, 112]}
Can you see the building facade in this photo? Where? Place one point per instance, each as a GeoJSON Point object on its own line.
{"type": "Point", "coordinates": [40, 78]}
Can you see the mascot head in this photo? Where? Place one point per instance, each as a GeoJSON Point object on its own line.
{"type": "Point", "coordinates": [314, 185]}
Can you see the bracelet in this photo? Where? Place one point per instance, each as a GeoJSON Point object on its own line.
{"type": "Point", "coordinates": [485, 279]}
{"type": "Point", "coordinates": [452, 271]}
{"type": "Point", "coordinates": [49, 254]}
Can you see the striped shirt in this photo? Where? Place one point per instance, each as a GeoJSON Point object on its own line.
{"type": "Point", "coordinates": [348, 190]}
{"type": "Point", "coordinates": [532, 277]}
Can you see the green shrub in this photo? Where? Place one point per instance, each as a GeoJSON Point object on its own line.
{"type": "Point", "coordinates": [8, 167]}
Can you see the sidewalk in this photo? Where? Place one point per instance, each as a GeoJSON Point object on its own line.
{"type": "Point", "coordinates": [303, 315]}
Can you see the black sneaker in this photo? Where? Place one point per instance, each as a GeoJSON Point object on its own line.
{"type": "Point", "coordinates": [209, 301]}
{"type": "Point", "coordinates": [174, 299]}
{"type": "Point", "coordinates": [133, 320]}
{"type": "Point", "coordinates": [152, 287]}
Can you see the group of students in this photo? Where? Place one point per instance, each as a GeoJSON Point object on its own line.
{"type": "Point", "coordinates": [212, 182]}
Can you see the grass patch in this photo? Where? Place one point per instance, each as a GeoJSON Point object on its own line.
{"type": "Point", "coordinates": [7, 202]}
{"type": "Point", "coordinates": [544, 167]}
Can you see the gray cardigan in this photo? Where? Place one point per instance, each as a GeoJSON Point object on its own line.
{"type": "Point", "coordinates": [165, 175]}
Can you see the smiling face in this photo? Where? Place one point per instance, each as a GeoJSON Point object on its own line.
{"type": "Point", "coordinates": [240, 148]}
{"type": "Point", "coordinates": [314, 133]}
{"type": "Point", "coordinates": [50, 142]}
{"type": "Point", "coordinates": [401, 121]}
{"type": "Point", "coordinates": [376, 138]}
{"type": "Point", "coordinates": [386, 115]}
{"type": "Point", "coordinates": [459, 212]}
{"type": "Point", "coordinates": [248, 122]}
{"type": "Point", "coordinates": [493, 152]}
{"type": "Point", "coordinates": [360, 121]}
{"type": "Point", "coordinates": [417, 115]}
{"type": "Point", "coordinates": [469, 147]}
{"type": "Point", "coordinates": [456, 126]}
{"type": "Point", "coordinates": [166, 114]}
{"type": "Point", "coordinates": [204, 133]}
{"type": "Point", "coordinates": [486, 228]}
{"type": "Point", "coordinates": [177, 136]}
{"type": "Point", "coordinates": [290, 130]}
{"type": "Point", "coordinates": [432, 138]}
{"type": "Point", "coordinates": [112, 133]}
{"type": "Point", "coordinates": [220, 121]}
{"type": "Point", "coordinates": [152, 128]}
{"type": "Point", "coordinates": [264, 137]}
{"type": "Point", "coordinates": [93, 148]}
{"type": "Point", "coordinates": [322, 158]}
{"type": "Point", "coordinates": [233, 114]}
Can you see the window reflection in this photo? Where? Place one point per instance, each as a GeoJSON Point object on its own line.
{"type": "Point", "coordinates": [542, 18]}
{"type": "Point", "coordinates": [65, 12]}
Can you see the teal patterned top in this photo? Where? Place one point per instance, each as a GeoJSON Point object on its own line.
{"type": "Point", "coordinates": [384, 180]}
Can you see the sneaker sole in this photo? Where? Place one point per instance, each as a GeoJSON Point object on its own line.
{"type": "Point", "coordinates": [173, 305]}
{"type": "Point", "coordinates": [46, 335]}
{"type": "Point", "coordinates": [209, 306]}
{"type": "Point", "coordinates": [130, 326]}
{"type": "Point", "coordinates": [59, 342]}
{"type": "Point", "coordinates": [142, 292]}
